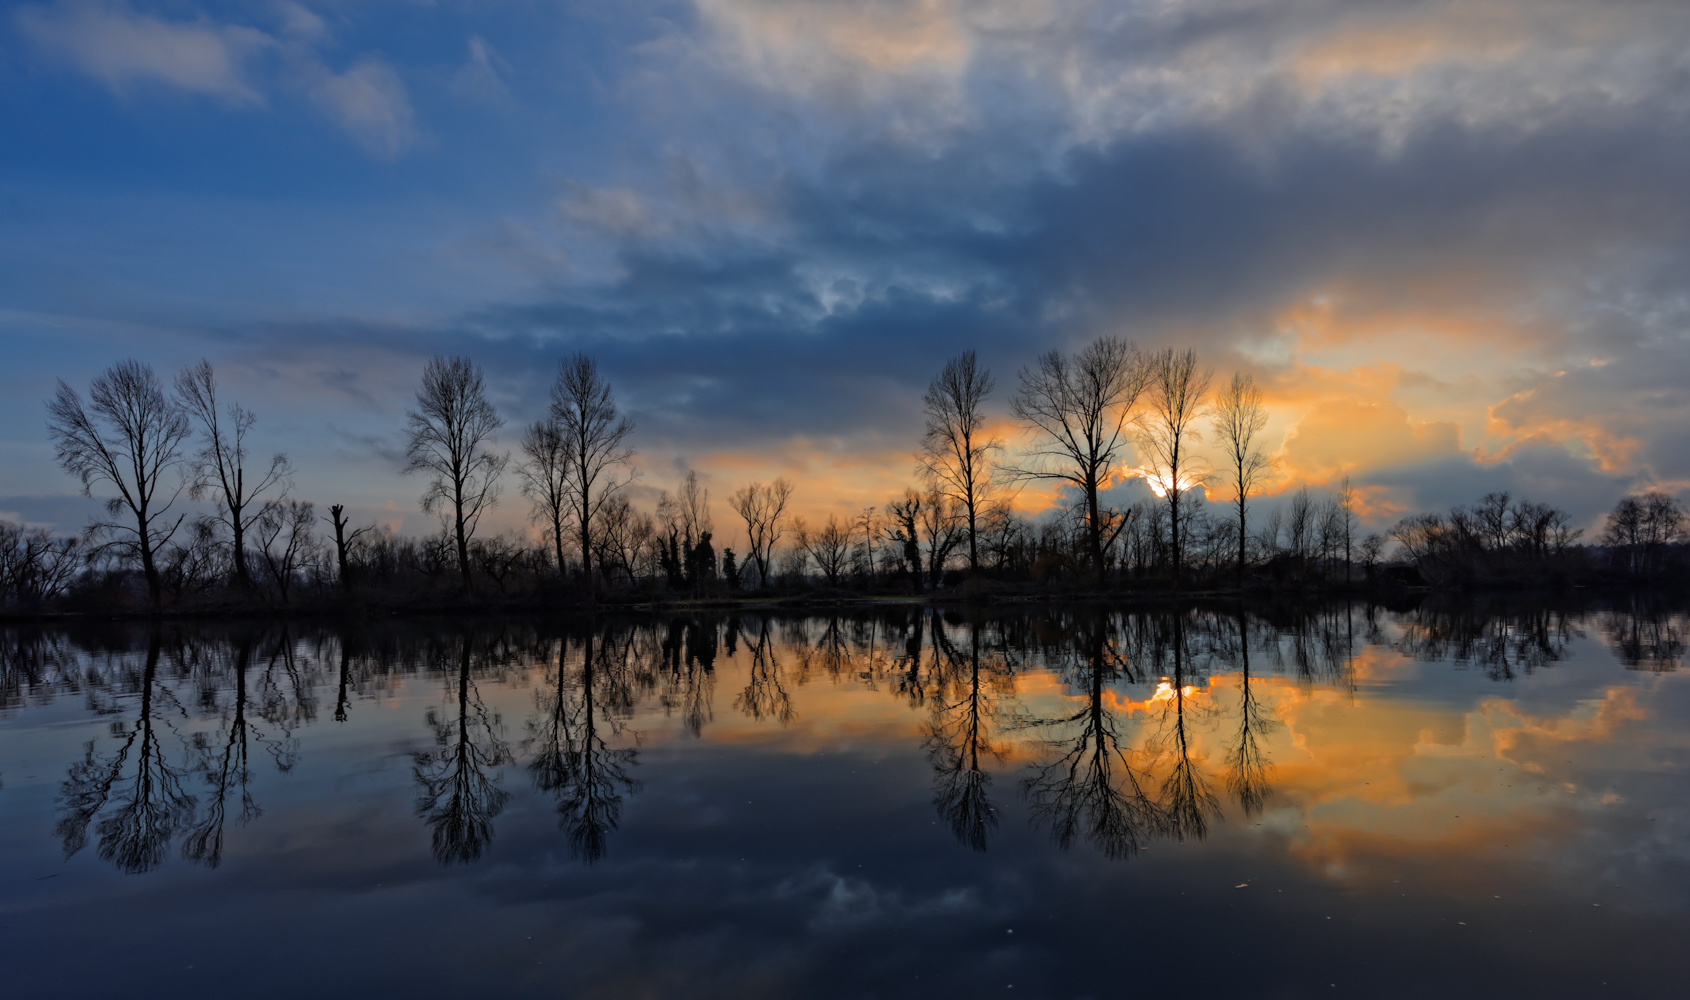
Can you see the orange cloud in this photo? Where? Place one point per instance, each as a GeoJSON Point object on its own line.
{"type": "Point", "coordinates": [1338, 437]}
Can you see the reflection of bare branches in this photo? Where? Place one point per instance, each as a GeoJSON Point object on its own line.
{"type": "Point", "coordinates": [765, 695]}
{"type": "Point", "coordinates": [1501, 639]}
{"type": "Point", "coordinates": [1187, 804]}
{"type": "Point", "coordinates": [149, 810]}
{"type": "Point", "coordinates": [1080, 793]}
{"type": "Point", "coordinates": [689, 677]}
{"type": "Point", "coordinates": [1645, 636]}
{"type": "Point", "coordinates": [457, 798]}
{"type": "Point", "coordinates": [1248, 769]}
{"type": "Point", "coordinates": [956, 740]}
{"type": "Point", "coordinates": [204, 841]}
{"type": "Point", "coordinates": [572, 759]}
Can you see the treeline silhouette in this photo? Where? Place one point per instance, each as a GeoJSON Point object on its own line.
{"type": "Point", "coordinates": [198, 715]}
{"type": "Point", "coordinates": [143, 447]}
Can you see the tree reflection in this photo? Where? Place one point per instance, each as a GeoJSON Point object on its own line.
{"type": "Point", "coordinates": [458, 799]}
{"type": "Point", "coordinates": [957, 737]}
{"type": "Point", "coordinates": [765, 695]}
{"type": "Point", "coordinates": [1187, 804]}
{"type": "Point", "coordinates": [1501, 638]}
{"type": "Point", "coordinates": [689, 659]}
{"type": "Point", "coordinates": [1248, 769]}
{"type": "Point", "coordinates": [572, 757]}
{"type": "Point", "coordinates": [1645, 636]}
{"type": "Point", "coordinates": [148, 807]}
{"type": "Point", "coordinates": [229, 772]}
{"type": "Point", "coordinates": [1092, 790]}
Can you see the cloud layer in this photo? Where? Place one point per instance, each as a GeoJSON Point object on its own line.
{"type": "Point", "coordinates": [1451, 239]}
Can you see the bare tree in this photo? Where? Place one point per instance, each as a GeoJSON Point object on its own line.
{"type": "Point", "coordinates": [955, 447]}
{"type": "Point", "coordinates": [1346, 506]}
{"type": "Point", "coordinates": [285, 542]}
{"type": "Point", "coordinates": [870, 523]}
{"type": "Point", "coordinates": [1079, 409]}
{"type": "Point", "coordinates": [1239, 417]}
{"type": "Point", "coordinates": [829, 545]}
{"type": "Point", "coordinates": [902, 527]}
{"type": "Point", "coordinates": [34, 565]}
{"type": "Point", "coordinates": [1177, 391]}
{"type": "Point", "coordinates": [344, 541]}
{"type": "Point", "coordinates": [545, 481]}
{"type": "Point", "coordinates": [596, 460]}
{"type": "Point", "coordinates": [762, 506]}
{"type": "Point", "coordinates": [129, 437]}
{"type": "Point", "coordinates": [450, 431]}
{"type": "Point", "coordinates": [941, 521]}
{"type": "Point", "coordinates": [219, 468]}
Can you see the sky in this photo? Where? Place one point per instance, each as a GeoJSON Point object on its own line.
{"type": "Point", "coordinates": [1451, 240]}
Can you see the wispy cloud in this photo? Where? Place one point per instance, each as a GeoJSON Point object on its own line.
{"type": "Point", "coordinates": [369, 102]}
{"type": "Point", "coordinates": [125, 49]}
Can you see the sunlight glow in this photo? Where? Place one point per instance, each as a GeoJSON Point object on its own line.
{"type": "Point", "coordinates": [1158, 479]}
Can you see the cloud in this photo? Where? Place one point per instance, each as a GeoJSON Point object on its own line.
{"type": "Point", "coordinates": [1337, 436]}
{"type": "Point", "coordinates": [370, 103]}
{"type": "Point", "coordinates": [483, 74]}
{"type": "Point", "coordinates": [125, 49]}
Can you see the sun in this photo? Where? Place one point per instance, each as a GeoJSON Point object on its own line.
{"type": "Point", "coordinates": [1158, 480]}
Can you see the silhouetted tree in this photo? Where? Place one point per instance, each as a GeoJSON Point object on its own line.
{"type": "Point", "coordinates": [829, 546]}
{"type": "Point", "coordinates": [285, 541]}
{"type": "Point", "coordinates": [129, 437]}
{"type": "Point", "coordinates": [596, 461]}
{"type": "Point", "coordinates": [1239, 418]}
{"type": "Point", "coordinates": [942, 524]}
{"type": "Point", "coordinates": [450, 431]}
{"type": "Point", "coordinates": [1079, 409]}
{"type": "Point", "coordinates": [343, 542]}
{"type": "Point", "coordinates": [955, 446]}
{"type": "Point", "coordinates": [1643, 526]}
{"type": "Point", "coordinates": [1177, 390]}
{"type": "Point", "coordinates": [545, 482]}
{"type": "Point", "coordinates": [762, 507]}
{"type": "Point", "coordinates": [219, 468]}
{"type": "Point", "coordinates": [903, 517]}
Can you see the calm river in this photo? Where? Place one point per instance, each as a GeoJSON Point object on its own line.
{"type": "Point", "coordinates": [1462, 799]}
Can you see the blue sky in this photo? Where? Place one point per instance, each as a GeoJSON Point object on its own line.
{"type": "Point", "coordinates": [1449, 237]}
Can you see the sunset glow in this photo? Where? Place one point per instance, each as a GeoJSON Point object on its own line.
{"type": "Point", "coordinates": [1447, 255]}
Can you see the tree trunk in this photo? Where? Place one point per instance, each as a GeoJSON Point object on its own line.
{"type": "Point", "coordinates": [149, 568]}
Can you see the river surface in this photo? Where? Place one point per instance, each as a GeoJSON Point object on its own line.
{"type": "Point", "coordinates": [1457, 799]}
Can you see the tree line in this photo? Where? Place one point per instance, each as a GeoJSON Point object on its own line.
{"type": "Point", "coordinates": [143, 446]}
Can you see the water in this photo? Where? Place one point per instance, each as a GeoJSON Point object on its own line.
{"type": "Point", "coordinates": [1455, 800]}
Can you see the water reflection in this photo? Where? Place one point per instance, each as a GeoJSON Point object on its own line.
{"type": "Point", "coordinates": [1249, 770]}
{"type": "Point", "coordinates": [1093, 789]}
{"type": "Point", "coordinates": [456, 796]}
{"type": "Point", "coordinates": [1504, 637]}
{"type": "Point", "coordinates": [1102, 729]}
{"type": "Point", "coordinates": [582, 708]}
{"type": "Point", "coordinates": [132, 795]}
{"type": "Point", "coordinates": [957, 736]}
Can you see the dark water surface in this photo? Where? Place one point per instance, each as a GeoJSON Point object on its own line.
{"type": "Point", "coordinates": [1460, 800]}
